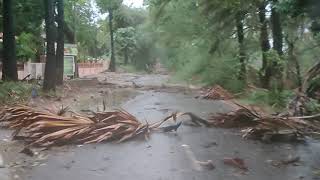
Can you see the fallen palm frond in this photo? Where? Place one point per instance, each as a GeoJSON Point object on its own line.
{"type": "Point", "coordinates": [242, 117]}
{"type": "Point", "coordinates": [217, 93]}
{"type": "Point", "coordinates": [266, 127]}
{"type": "Point", "coordinates": [42, 128]}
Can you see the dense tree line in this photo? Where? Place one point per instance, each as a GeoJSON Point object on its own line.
{"type": "Point", "coordinates": [236, 42]}
{"type": "Point", "coordinates": [268, 43]}
{"type": "Point", "coordinates": [77, 21]}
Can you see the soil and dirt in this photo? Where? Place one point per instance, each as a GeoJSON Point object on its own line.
{"type": "Point", "coordinates": [150, 97]}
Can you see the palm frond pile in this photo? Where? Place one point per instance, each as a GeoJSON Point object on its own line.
{"type": "Point", "coordinates": [41, 128]}
{"type": "Point", "coordinates": [217, 93]}
{"type": "Point", "coordinates": [265, 127]}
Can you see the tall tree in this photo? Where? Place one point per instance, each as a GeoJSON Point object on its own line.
{"type": "Point", "coordinates": [110, 6]}
{"type": "Point", "coordinates": [265, 72]}
{"type": "Point", "coordinates": [50, 73]}
{"type": "Point", "coordinates": [276, 27]}
{"type": "Point", "coordinates": [126, 40]}
{"type": "Point", "coordinates": [29, 16]}
{"type": "Point", "coordinates": [277, 35]}
{"type": "Point", "coordinates": [9, 63]}
{"type": "Point", "coordinates": [242, 52]}
{"type": "Point", "coordinates": [112, 67]}
{"type": "Point", "coordinates": [60, 42]}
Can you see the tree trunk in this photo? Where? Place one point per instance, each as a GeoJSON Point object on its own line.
{"type": "Point", "coordinates": [126, 55]}
{"type": "Point", "coordinates": [276, 29]}
{"type": "Point", "coordinates": [294, 60]}
{"type": "Point", "coordinates": [9, 63]}
{"type": "Point", "coordinates": [277, 35]}
{"type": "Point", "coordinates": [76, 66]}
{"type": "Point", "coordinates": [242, 51]}
{"type": "Point", "coordinates": [60, 42]}
{"type": "Point", "coordinates": [265, 72]}
{"type": "Point", "coordinates": [112, 66]}
{"type": "Point", "coordinates": [50, 73]}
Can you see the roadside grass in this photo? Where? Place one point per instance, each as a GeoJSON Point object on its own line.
{"type": "Point", "coordinates": [14, 92]}
{"type": "Point", "coordinates": [269, 100]}
{"type": "Point", "coordinates": [21, 92]}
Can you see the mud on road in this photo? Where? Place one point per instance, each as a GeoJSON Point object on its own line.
{"type": "Point", "coordinates": [151, 97]}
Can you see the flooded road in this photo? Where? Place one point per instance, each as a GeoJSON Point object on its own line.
{"type": "Point", "coordinates": [162, 157]}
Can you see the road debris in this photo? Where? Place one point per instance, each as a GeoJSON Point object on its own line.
{"type": "Point", "coordinates": [265, 127]}
{"type": "Point", "coordinates": [294, 160]}
{"type": "Point", "coordinates": [45, 129]}
{"type": "Point", "coordinates": [242, 117]}
{"type": "Point", "coordinates": [291, 160]}
{"type": "Point", "coordinates": [1, 162]}
{"type": "Point", "coordinates": [41, 128]}
{"type": "Point", "coordinates": [197, 165]}
{"type": "Point", "coordinates": [236, 162]}
{"type": "Point", "coordinates": [171, 128]}
{"type": "Point", "coordinates": [209, 145]}
{"type": "Point", "coordinates": [27, 151]}
{"type": "Point", "coordinates": [216, 93]}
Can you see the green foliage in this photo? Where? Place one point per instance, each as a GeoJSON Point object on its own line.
{"type": "Point", "coordinates": [145, 53]}
{"type": "Point", "coordinates": [14, 92]}
{"type": "Point", "coordinates": [103, 38]}
{"type": "Point", "coordinates": [291, 7]}
{"type": "Point", "coordinates": [29, 16]}
{"type": "Point", "coordinates": [190, 46]}
{"type": "Point", "coordinates": [273, 57]}
{"type": "Point", "coordinates": [80, 18]}
{"type": "Point", "coordinates": [274, 98]}
{"type": "Point", "coordinates": [126, 16]}
{"type": "Point", "coordinates": [27, 46]}
{"type": "Point", "coordinates": [313, 106]}
{"type": "Point", "coordinates": [107, 5]}
{"type": "Point", "coordinates": [126, 38]}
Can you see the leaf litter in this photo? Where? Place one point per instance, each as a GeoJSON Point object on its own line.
{"type": "Point", "coordinates": [46, 129]}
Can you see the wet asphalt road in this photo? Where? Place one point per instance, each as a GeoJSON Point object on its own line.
{"type": "Point", "coordinates": [162, 157]}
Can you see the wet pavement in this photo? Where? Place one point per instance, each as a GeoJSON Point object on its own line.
{"type": "Point", "coordinates": [162, 157]}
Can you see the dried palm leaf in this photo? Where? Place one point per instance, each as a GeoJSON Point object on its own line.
{"type": "Point", "coordinates": [217, 93]}
{"type": "Point", "coordinates": [265, 127]}
{"type": "Point", "coordinates": [41, 128]}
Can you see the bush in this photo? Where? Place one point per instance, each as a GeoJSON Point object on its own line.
{"type": "Point", "coordinates": [13, 92]}
{"type": "Point", "coordinates": [274, 98]}
{"type": "Point", "coordinates": [313, 106]}
{"type": "Point", "coordinates": [195, 63]}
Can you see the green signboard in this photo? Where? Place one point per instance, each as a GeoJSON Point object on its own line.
{"type": "Point", "coordinates": [68, 65]}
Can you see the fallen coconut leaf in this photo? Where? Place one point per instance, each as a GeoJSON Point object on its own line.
{"type": "Point", "coordinates": [45, 129]}
{"type": "Point", "coordinates": [217, 93]}
{"type": "Point", "coordinates": [266, 127]}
